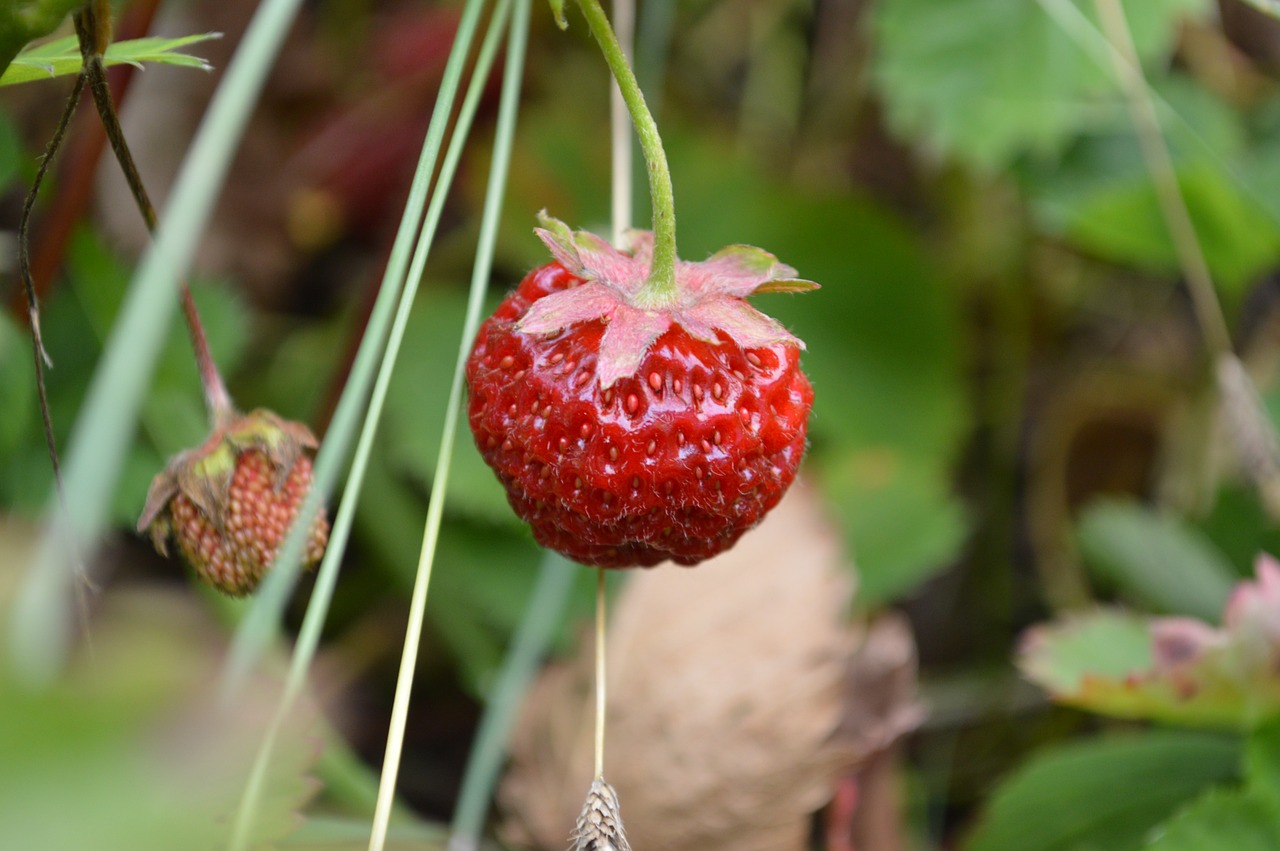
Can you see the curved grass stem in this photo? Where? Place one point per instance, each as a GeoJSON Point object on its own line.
{"type": "Point", "coordinates": [399, 285]}
{"type": "Point", "coordinates": [513, 72]}
{"type": "Point", "coordinates": [357, 404]}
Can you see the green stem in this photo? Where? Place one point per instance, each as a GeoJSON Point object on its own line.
{"type": "Point", "coordinates": [660, 289]}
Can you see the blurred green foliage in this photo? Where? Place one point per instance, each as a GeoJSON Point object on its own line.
{"type": "Point", "coordinates": [1104, 794]}
{"type": "Point", "coordinates": [963, 179]}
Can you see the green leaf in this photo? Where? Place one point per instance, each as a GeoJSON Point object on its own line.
{"type": "Point", "coordinates": [1155, 557]}
{"type": "Point", "coordinates": [985, 81]}
{"type": "Point", "coordinates": [1262, 764]}
{"type": "Point", "coordinates": [23, 21]}
{"type": "Point", "coordinates": [1218, 821]}
{"type": "Point", "coordinates": [61, 57]}
{"type": "Point", "coordinates": [1102, 794]}
{"type": "Point", "coordinates": [1066, 656]}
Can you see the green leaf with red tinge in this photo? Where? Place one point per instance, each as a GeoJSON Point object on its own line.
{"type": "Point", "coordinates": [1177, 670]}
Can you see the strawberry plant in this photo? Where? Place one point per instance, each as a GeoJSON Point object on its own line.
{"type": "Point", "coordinates": [1024, 461]}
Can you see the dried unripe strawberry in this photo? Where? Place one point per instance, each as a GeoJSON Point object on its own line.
{"type": "Point", "coordinates": [629, 432]}
{"type": "Point", "coordinates": [228, 503]}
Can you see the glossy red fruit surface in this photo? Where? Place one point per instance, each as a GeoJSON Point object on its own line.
{"type": "Point", "coordinates": [673, 460]}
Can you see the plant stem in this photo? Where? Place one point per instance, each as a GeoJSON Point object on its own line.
{"type": "Point", "coordinates": [660, 288]}
{"type": "Point", "coordinates": [93, 30]}
{"type": "Point", "coordinates": [33, 301]}
{"type": "Point", "coordinates": [601, 687]}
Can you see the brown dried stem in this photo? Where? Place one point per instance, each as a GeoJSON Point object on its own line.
{"type": "Point", "coordinates": [93, 30]}
{"type": "Point", "coordinates": [41, 356]}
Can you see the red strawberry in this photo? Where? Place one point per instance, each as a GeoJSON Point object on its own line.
{"type": "Point", "coordinates": [628, 434]}
{"type": "Point", "coordinates": [229, 503]}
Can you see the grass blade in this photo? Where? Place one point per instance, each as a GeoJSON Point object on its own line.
{"type": "Point", "coordinates": [260, 625]}
{"type": "Point", "coordinates": [512, 74]}
{"type": "Point", "coordinates": [254, 635]}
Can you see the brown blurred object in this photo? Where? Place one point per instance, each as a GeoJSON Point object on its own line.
{"type": "Point", "coordinates": [738, 693]}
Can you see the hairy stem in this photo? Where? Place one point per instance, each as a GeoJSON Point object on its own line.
{"type": "Point", "coordinates": [93, 30]}
{"type": "Point", "coordinates": [660, 289]}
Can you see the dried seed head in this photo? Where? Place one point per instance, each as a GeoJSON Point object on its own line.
{"type": "Point", "coordinates": [599, 826]}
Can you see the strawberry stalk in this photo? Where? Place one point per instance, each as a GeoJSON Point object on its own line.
{"type": "Point", "coordinates": [659, 290]}
{"type": "Point", "coordinates": [94, 32]}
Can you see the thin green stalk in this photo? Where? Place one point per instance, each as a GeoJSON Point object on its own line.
{"type": "Point", "coordinates": [660, 289]}
{"type": "Point", "coordinates": [104, 430]}
{"type": "Point", "coordinates": [602, 683]}
{"type": "Point", "coordinates": [322, 595]}
{"type": "Point", "coordinates": [261, 624]}
{"type": "Point", "coordinates": [513, 72]}
{"type": "Point", "coordinates": [528, 648]}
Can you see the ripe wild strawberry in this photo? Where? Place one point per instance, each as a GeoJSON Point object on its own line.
{"type": "Point", "coordinates": [228, 504]}
{"type": "Point", "coordinates": [629, 433]}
